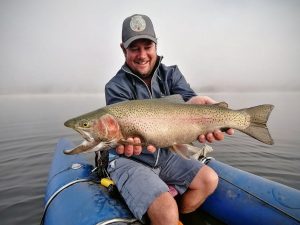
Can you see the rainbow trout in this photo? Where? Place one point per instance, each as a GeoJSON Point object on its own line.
{"type": "Point", "coordinates": [164, 122]}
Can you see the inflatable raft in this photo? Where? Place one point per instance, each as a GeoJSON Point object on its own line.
{"type": "Point", "coordinates": [75, 196]}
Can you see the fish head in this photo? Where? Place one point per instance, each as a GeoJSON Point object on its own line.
{"type": "Point", "coordinates": [84, 126]}
{"type": "Point", "coordinates": [100, 132]}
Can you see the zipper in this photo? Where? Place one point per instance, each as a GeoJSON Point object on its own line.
{"type": "Point", "coordinates": [131, 73]}
{"type": "Point", "coordinates": [157, 157]}
{"type": "Point", "coordinates": [160, 59]}
{"type": "Point", "coordinates": [150, 95]}
{"type": "Point", "coordinates": [149, 92]}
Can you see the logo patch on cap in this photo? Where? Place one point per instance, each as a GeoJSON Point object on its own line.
{"type": "Point", "coordinates": [137, 23]}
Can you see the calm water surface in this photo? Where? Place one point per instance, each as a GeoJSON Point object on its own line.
{"type": "Point", "coordinates": [31, 126]}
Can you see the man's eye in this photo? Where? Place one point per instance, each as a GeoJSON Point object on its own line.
{"type": "Point", "coordinates": [133, 49]}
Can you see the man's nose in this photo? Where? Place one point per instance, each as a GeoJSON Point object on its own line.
{"type": "Point", "coordinates": [142, 53]}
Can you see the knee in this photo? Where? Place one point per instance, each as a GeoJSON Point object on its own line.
{"type": "Point", "coordinates": [206, 180]}
{"type": "Point", "coordinates": [163, 210]}
{"type": "Point", "coordinates": [210, 180]}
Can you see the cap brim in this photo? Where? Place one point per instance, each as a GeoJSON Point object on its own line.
{"type": "Point", "coordinates": [130, 40]}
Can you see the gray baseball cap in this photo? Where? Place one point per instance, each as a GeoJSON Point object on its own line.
{"type": "Point", "coordinates": [137, 27]}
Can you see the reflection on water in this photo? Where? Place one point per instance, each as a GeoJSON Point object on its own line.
{"type": "Point", "coordinates": [31, 126]}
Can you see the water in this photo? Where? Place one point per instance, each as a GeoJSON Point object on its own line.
{"type": "Point", "coordinates": [31, 126]}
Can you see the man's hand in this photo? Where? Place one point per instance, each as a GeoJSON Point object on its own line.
{"type": "Point", "coordinates": [129, 150]}
{"type": "Point", "coordinates": [217, 134]}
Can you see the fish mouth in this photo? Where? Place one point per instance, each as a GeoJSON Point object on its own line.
{"type": "Point", "coordinates": [87, 144]}
{"type": "Point", "coordinates": [91, 146]}
{"type": "Point", "coordinates": [85, 134]}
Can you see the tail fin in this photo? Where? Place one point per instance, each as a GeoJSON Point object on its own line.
{"type": "Point", "coordinates": [258, 129]}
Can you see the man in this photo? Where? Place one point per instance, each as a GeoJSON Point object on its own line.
{"type": "Point", "coordinates": [142, 175]}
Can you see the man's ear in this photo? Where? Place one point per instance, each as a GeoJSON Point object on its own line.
{"type": "Point", "coordinates": [123, 49]}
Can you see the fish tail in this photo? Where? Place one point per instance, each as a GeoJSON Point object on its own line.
{"type": "Point", "coordinates": [258, 129]}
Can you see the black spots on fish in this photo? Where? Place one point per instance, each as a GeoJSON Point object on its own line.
{"type": "Point", "coordinates": [220, 117]}
{"type": "Point", "coordinates": [141, 127]}
{"type": "Point", "coordinates": [237, 119]}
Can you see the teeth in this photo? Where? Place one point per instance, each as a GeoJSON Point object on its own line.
{"type": "Point", "coordinates": [141, 63]}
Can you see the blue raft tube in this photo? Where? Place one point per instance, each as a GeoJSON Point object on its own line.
{"type": "Point", "coordinates": [74, 196]}
{"type": "Point", "coordinates": [247, 199]}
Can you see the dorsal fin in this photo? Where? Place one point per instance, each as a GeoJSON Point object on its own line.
{"type": "Point", "coordinates": [222, 104]}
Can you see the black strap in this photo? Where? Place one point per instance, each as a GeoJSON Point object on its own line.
{"type": "Point", "coordinates": [101, 163]}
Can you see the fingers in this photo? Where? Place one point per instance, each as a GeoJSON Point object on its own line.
{"type": "Point", "coordinates": [120, 149]}
{"type": "Point", "coordinates": [230, 131]}
{"type": "Point", "coordinates": [137, 149]}
{"type": "Point", "coordinates": [151, 148]}
{"type": "Point", "coordinates": [209, 137]}
{"type": "Point", "coordinates": [129, 150]}
{"type": "Point", "coordinates": [217, 135]}
{"type": "Point", "coordinates": [202, 138]}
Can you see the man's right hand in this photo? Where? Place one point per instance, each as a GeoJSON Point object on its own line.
{"type": "Point", "coordinates": [129, 150]}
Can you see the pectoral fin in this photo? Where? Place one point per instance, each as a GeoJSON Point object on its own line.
{"type": "Point", "coordinates": [190, 151]}
{"type": "Point", "coordinates": [201, 152]}
{"type": "Point", "coordinates": [180, 150]}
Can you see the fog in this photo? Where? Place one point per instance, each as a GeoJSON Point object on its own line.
{"type": "Point", "coordinates": [72, 46]}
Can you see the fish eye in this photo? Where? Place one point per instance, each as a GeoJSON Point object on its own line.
{"type": "Point", "coordinates": [85, 124]}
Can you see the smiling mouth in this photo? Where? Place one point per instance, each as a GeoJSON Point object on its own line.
{"type": "Point", "coordinates": [142, 63]}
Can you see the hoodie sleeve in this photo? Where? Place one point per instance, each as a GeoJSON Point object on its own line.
{"type": "Point", "coordinates": [180, 85]}
{"type": "Point", "coordinates": [115, 93]}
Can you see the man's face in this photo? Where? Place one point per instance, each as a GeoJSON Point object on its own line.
{"type": "Point", "coordinates": [141, 57]}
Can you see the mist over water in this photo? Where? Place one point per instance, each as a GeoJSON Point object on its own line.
{"type": "Point", "coordinates": [31, 125]}
{"type": "Point", "coordinates": [73, 47]}
{"type": "Point", "coordinates": [56, 57]}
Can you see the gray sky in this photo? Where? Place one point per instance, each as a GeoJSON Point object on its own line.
{"type": "Point", "coordinates": [220, 45]}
